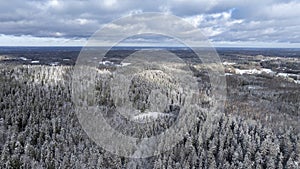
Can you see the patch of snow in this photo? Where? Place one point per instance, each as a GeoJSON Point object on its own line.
{"type": "Point", "coordinates": [254, 71]}
{"type": "Point", "coordinates": [285, 75]}
{"type": "Point", "coordinates": [54, 63]}
{"type": "Point", "coordinates": [254, 87]}
{"type": "Point", "coordinates": [35, 61]}
{"type": "Point", "coordinates": [23, 58]}
{"type": "Point", "coordinates": [251, 87]}
{"type": "Point", "coordinates": [125, 64]}
{"type": "Point", "coordinates": [107, 63]}
{"type": "Point", "coordinates": [228, 63]}
{"type": "Point", "coordinates": [247, 71]}
{"type": "Point", "coordinates": [228, 74]}
{"type": "Point", "coordinates": [149, 115]}
{"type": "Point", "coordinates": [289, 76]}
{"type": "Point", "coordinates": [66, 59]}
{"type": "Point", "coordinates": [4, 57]}
{"type": "Point", "coordinates": [269, 71]}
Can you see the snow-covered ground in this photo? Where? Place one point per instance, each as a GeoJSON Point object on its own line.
{"type": "Point", "coordinates": [228, 63]}
{"type": "Point", "coordinates": [35, 61]}
{"type": "Point", "coordinates": [4, 57]}
{"type": "Point", "coordinates": [125, 64]}
{"type": "Point", "coordinates": [287, 76]}
{"type": "Point", "coordinates": [54, 63]}
{"type": "Point", "coordinates": [23, 58]}
{"type": "Point", "coordinates": [253, 71]}
{"type": "Point", "coordinates": [106, 63]}
{"type": "Point", "coordinates": [143, 117]}
{"type": "Point", "coordinates": [109, 63]}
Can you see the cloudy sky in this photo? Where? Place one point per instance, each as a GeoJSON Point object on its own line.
{"type": "Point", "coordinates": [252, 23]}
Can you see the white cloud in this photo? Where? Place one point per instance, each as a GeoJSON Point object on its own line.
{"type": "Point", "coordinates": [26, 40]}
{"type": "Point", "coordinates": [284, 10]}
{"type": "Point", "coordinates": [214, 24]}
{"type": "Point", "coordinates": [195, 20]}
{"type": "Point", "coordinates": [83, 21]}
{"type": "Point", "coordinates": [54, 3]}
{"type": "Point", "coordinates": [133, 12]}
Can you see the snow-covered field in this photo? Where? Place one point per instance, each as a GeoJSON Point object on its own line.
{"type": "Point", "coordinates": [253, 71]}
{"type": "Point", "coordinates": [143, 117]}
{"type": "Point", "coordinates": [287, 76]}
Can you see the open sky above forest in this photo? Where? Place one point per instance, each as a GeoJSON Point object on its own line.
{"type": "Point", "coordinates": [255, 23]}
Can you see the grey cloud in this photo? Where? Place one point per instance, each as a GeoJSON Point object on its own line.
{"type": "Point", "coordinates": [269, 20]}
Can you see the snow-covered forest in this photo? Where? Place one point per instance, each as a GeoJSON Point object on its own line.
{"type": "Point", "coordinates": [39, 129]}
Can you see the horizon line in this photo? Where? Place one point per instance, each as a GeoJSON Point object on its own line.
{"type": "Point", "coordinates": [81, 46]}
